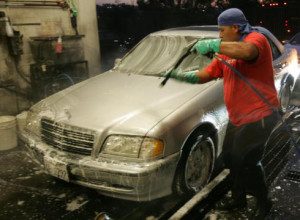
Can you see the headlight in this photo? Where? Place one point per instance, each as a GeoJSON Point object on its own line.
{"type": "Point", "coordinates": [133, 146]}
{"type": "Point", "coordinates": [33, 123]}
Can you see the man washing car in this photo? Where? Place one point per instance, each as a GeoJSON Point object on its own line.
{"type": "Point", "coordinates": [251, 118]}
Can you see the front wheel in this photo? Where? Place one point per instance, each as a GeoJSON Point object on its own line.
{"type": "Point", "coordinates": [195, 166]}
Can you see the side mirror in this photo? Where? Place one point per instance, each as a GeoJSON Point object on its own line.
{"type": "Point", "coordinates": [117, 61]}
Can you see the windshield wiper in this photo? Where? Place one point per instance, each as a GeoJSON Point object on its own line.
{"type": "Point", "coordinates": [188, 47]}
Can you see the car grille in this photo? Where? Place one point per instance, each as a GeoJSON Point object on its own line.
{"type": "Point", "coordinates": [293, 175]}
{"type": "Point", "coordinates": [276, 154]}
{"type": "Point", "coordinates": [66, 137]}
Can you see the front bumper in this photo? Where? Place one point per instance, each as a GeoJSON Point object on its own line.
{"type": "Point", "coordinates": [126, 180]}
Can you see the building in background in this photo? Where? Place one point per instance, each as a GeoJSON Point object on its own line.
{"type": "Point", "coordinates": [45, 47]}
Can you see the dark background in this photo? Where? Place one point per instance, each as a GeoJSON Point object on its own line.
{"type": "Point", "coordinates": [122, 26]}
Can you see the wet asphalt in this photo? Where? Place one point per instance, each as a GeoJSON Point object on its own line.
{"type": "Point", "coordinates": [284, 192]}
{"type": "Point", "coordinates": [26, 192]}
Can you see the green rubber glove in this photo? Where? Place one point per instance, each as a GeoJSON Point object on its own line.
{"type": "Point", "coordinates": [190, 76]}
{"type": "Point", "coordinates": [205, 46]}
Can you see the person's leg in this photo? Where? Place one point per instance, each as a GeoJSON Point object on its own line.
{"type": "Point", "coordinates": [254, 172]}
{"type": "Point", "coordinates": [245, 154]}
{"type": "Point", "coordinates": [241, 141]}
{"type": "Point", "coordinates": [256, 181]}
{"type": "Point", "coordinates": [257, 186]}
{"type": "Point", "coordinates": [238, 198]}
{"type": "Point", "coordinates": [227, 145]}
{"type": "Point", "coordinates": [242, 145]}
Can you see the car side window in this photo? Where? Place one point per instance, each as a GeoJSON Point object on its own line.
{"type": "Point", "coordinates": [275, 51]}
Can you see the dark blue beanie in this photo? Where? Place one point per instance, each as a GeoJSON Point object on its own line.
{"type": "Point", "coordinates": [232, 16]}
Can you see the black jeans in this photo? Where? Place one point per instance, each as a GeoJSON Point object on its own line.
{"type": "Point", "coordinates": [242, 154]}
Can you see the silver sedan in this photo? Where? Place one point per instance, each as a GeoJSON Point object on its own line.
{"type": "Point", "coordinates": [124, 135]}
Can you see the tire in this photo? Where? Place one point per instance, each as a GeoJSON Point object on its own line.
{"type": "Point", "coordinates": [195, 167]}
{"type": "Point", "coordinates": [285, 96]}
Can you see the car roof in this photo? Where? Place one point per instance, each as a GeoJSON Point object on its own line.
{"type": "Point", "coordinates": [200, 31]}
{"type": "Point", "coordinates": [209, 31]}
{"type": "Point", "coordinates": [195, 31]}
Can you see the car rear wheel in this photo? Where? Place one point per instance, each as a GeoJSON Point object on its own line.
{"type": "Point", "coordinates": [195, 166]}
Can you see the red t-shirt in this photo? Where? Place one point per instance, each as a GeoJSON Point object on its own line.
{"type": "Point", "coordinates": [243, 105]}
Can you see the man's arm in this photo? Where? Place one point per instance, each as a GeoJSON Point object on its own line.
{"type": "Point", "coordinates": [195, 76]}
{"type": "Point", "coordinates": [239, 50]}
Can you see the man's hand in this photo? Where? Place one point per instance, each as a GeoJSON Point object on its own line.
{"type": "Point", "coordinates": [190, 76]}
{"type": "Point", "coordinates": [206, 46]}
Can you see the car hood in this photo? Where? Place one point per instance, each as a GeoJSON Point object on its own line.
{"type": "Point", "coordinates": [118, 102]}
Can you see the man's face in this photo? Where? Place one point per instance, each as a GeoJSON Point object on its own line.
{"type": "Point", "coordinates": [229, 33]}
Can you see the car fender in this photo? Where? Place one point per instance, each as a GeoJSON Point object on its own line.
{"type": "Point", "coordinates": [212, 123]}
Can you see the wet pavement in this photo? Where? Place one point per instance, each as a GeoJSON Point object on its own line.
{"type": "Point", "coordinates": [285, 190]}
{"type": "Point", "coordinates": [284, 193]}
{"type": "Point", "coordinates": [29, 193]}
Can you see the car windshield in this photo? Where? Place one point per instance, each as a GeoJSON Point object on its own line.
{"type": "Point", "coordinates": [155, 55]}
{"type": "Point", "coordinates": [193, 61]}
{"type": "Point", "coordinates": [296, 39]}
